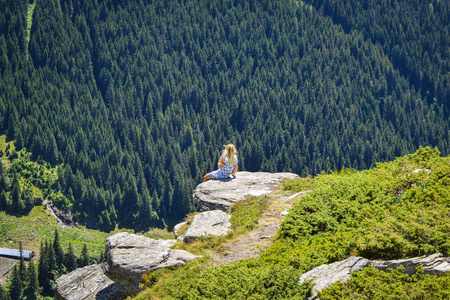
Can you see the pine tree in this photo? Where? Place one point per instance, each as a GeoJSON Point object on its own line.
{"type": "Point", "coordinates": [17, 203]}
{"type": "Point", "coordinates": [4, 295]}
{"type": "Point", "coordinates": [15, 290]}
{"type": "Point", "coordinates": [51, 258]}
{"type": "Point", "coordinates": [58, 250]}
{"type": "Point", "coordinates": [19, 140]}
{"type": "Point", "coordinates": [70, 259]}
{"type": "Point", "coordinates": [43, 270]}
{"type": "Point", "coordinates": [4, 200]}
{"type": "Point", "coordinates": [2, 176]}
{"type": "Point", "coordinates": [84, 256]}
{"type": "Point", "coordinates": [12, 123]}
{"type": "Point", "coordinates": [32, 282]}
{"type": "Point", "coordinates": [22, 267]}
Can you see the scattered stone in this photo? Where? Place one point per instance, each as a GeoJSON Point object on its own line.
{"type": "Point", "coordinates": [221, 194]}
{"type": "Point", "coordinates": [176, 229]}
{"type": "Point", "coordinates": [417, 170]}
{"type": "Point", "coordinates": [213, 222]}
{"type": "Point", "coordinates": [285, 213]}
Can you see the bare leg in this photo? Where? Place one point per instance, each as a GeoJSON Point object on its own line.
{"type": "Point", "coordinates": [206, 177]}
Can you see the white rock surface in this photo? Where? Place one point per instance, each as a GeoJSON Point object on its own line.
{"type": "Point", "coordinates": [436, 264]}
{"type": "Point", "coordinates": [87, 283]}
{"type": "Point", "coordinates": [128, 257]}
{"type": "Point", "coordinates": [213, 222]}
{"type": "Point", "coordinates": [221, 194]}
{"type": "Point", "coordinates": [325, 275]}
{"type": "Point", "coordinates": [176, 229]}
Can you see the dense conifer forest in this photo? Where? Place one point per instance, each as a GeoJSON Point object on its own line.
{"type": "Point", "coordinates": [133, 100]}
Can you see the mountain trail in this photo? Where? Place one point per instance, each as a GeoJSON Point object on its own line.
{"type": "Point", "coordinates": [259, 239]}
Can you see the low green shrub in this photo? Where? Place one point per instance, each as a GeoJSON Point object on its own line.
{"type": "Point", "coordinates": [398, 209]}
{"type": "Point", "coordinates": [378, 285]}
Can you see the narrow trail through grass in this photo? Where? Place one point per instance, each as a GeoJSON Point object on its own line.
{"type": "Point", "coordinates": [260, 238]}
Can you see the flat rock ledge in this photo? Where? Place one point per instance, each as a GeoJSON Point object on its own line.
{"type": "Point", "coordinates": [325, 275]}
{"type": "Point", "coordinates": [221, 194]}
{"type": "Point", "coordinates": [213, 222]}
{"type": "Point", "coordinates": [128, 257]}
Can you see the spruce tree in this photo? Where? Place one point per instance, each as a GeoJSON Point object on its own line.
{"type": "Point", "coordinates": [70, 259]}
{"type": "Point", "coordinates": [84, 256]}
{"type": "Point", "coordinates": [51, 258]}
{"type": "Point", "coordinates": [22, 267]}
{"type": "Point", "coordinates": [19, 140]}
{"type": "Point", "coordinates": [4, 295]}
{"type": "Point", "coordinates": [10, 133]}
{"type": "Point", "coordinates": [15, 290]}
{"type": "Point", "coordinates": [17, 203]}
{"type": "Point", "coordinates": [43, 270]}
{"type": "Point", "coordinates": [32, 289]}
{"type": "Point", "coordinates": [59, 252]}
{"type": "Point", "coordinates": [2, 176]}
{"type": "Point", "coordinates": [4, 200]}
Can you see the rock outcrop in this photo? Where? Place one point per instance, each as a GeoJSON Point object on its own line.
{"type": "Point", "coordinates": [214, 222]}
{"type": "Point", "coordinates": [88, 283]}
{"type": "Point", "coordinates": [221, 194]}
{"type": "Point", "coordinates": [128, 257]}
{"type": "Point", "coordinates": [436, 264]}
{"type": "Point", "coordinates": [325, 275]}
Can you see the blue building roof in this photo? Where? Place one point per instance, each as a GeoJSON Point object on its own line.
{"type": "Point", "coordinates": [15, 253]}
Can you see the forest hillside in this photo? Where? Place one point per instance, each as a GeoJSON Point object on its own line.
{"type": "Point", "coordinates": [133, 100]}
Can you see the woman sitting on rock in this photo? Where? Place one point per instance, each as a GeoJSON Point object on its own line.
{"type": "Point", "coordinates": [228, 165]}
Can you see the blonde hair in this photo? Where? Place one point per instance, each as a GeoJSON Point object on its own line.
{"type": "Point", "coordinates": [230, 152]}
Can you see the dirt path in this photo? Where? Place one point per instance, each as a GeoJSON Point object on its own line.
{"type": "Point", "coordinates": [259, 239]}
{"type": "Point", "coordinates": [5, 267]}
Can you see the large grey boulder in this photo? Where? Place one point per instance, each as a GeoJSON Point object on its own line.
{"type": "Point", "coordinates": [88, 283]}
{"type": "Point", "coordinates": [221, 194]}
{"type": "Point", "coordinates": [436, 264]}
{"type": "Point", "coordinates": [213, 222]}
{"type": "Point", "coordinates": [325, 275]}
{"type": "Point", "coordinates": [129, 256]}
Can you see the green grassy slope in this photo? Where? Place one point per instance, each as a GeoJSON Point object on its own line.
{"type": "Point", "coordinates": [395, 210]}
{"type": "Point", "coordinates": [37, 224]}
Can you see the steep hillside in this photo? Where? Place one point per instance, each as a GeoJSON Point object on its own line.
{"type": "Point", "coordinates": [415, 35]}
{"type": "Point", "coordinates": [398, 209]}
{"type": "Point", "coordinates": [135, 99]}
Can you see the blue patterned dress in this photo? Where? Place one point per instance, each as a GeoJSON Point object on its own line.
{"type": "Point", "coordinates": [225, 171]}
